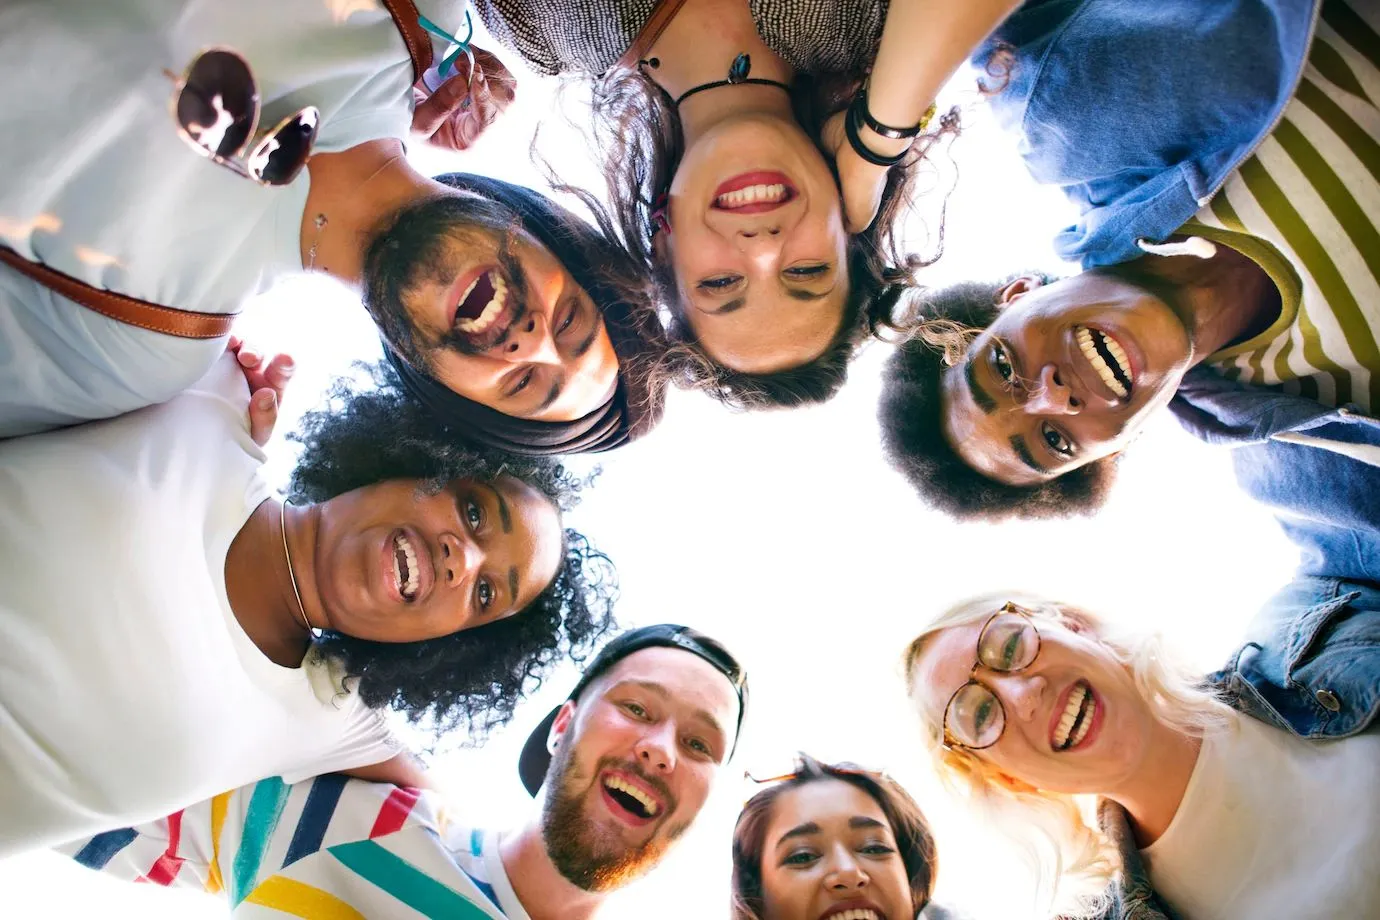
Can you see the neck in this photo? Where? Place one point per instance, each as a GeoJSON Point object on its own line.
{"type": "Point", "coordinates": [355, 191]}
{"type": "Point", "coordinates": [1227, 298]}
{"type": "Point", "coordinates": [698, 46]}
{"type": "Point", "coordinates": [259, 585]}
{"type": "Point", "coordinates": [1153, 795]}
{"type": "Point", "coordinates": [545, 893]}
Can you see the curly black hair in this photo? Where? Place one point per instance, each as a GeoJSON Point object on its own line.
{"type": "Point", "coordinates": [913, 431]}
{"type": "Point", "coordinates": [369, 431]}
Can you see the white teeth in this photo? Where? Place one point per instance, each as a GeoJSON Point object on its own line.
{"type": "Point", "coordinates": [855, 913]}
{"type": "Point", "coordinates": [1089, 349]}
{"type": "Point", "coordinates": [491, 310]}
{"type": "Point", "coordinates": [1075, 703]}
{"type": "Point", "coordinates": [408, 585]}
{"type": "Point", "coordinates": [751, 195]}
{"type": "Point", "coordinates": [648, 803]}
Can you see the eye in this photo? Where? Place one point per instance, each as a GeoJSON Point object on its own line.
{"type": "Point", "coordinates": [807, 271]}
{"type": "Point", "coordinates": [698, 746]}
{"type": "Point", "coordinates": [485, 592]}
{"type": "Point", "coordinates": [474, 515]}
{"type": "Point", "coordinates": [719, 282]}
{"type": "Point", "coordinates": [877, 849]}
{"type": "Point", "coordinates": [1002, 362]}
{"type": "Point", "coordinates": [799, 858]}
{"type": "Point", "coordinates": [983, 714]}
{"type": "Point", "coordinates": [521, 384]}
{"type": "Point", "coordinates": [637, 710]}
{"type": "Point", "coordinates": [1009, 649]}
{"type": "Point", "coordinates": [1056, 440]}
{"type": "Point", "coordinates": [569, 319]}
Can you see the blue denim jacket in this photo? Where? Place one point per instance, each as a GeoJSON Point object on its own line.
{"type": "Point", "coordinates": [1328, 503]}
{"type": "Point", "coordinates": [1310, 665]}
{"type": "Point", "coordinates": [1140, 109]}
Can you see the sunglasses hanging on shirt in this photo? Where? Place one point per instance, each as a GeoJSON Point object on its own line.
{"type": "Point", "coordinates": [215, 104]}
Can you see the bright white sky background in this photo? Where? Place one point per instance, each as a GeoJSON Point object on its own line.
{"type": "Point", "coordinates": [786, 535]}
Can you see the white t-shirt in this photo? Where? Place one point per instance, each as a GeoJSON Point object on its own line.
{"type": "Point", "coordinates": [1274, 826]}
{"type": "Point", "coordinates": [98, 184]}
{"type": "Point", "coordinates": [127, 687]}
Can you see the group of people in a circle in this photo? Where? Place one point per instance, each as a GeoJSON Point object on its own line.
{"type": "Point", "coordinates": [195, 670]}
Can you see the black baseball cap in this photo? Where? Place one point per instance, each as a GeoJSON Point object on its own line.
{"type": "Point", "coordinates": [535, 759]}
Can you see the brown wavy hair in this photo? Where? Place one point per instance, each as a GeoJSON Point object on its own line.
{"type": "Point", "coordinates": [907, 822]}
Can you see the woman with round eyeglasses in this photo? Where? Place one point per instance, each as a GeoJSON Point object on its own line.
{"type": "Point", "coordinates": [832, 841]}
{"type": "Point", "coordinates": [1247, 793]}
{"type": "Point", "coordinates": [171, 628]}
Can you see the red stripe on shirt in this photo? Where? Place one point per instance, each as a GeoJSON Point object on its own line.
{"type": "Point", "coordinates": [395, 810]}
{"type": "Point", "coordinates": [165, 870]}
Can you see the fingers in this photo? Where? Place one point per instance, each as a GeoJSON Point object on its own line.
{"type": "Point", "coordinates": [263, 415]}
{"type": "Point", "coordinates": [277, 374]}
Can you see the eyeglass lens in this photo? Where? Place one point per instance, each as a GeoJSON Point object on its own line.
{"type": "Point", "coordinates": [218, 103]}
{"type": "Point", "coordinates": [975, 717]}
{"type": "Point", "coordinates": [277, 158]}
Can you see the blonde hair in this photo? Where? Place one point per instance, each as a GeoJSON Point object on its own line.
{"type": "Point", "coordinates": [1074, 862]}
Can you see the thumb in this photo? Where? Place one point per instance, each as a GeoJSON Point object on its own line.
{"type": "Point", "coordinates": [263, 415]}
{"type": "Point", "coordinates": [433, 111]}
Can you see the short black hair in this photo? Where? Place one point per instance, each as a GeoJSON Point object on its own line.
{"type": "Point", "coordinates": [910, 413]}
{"type": "Point", "coordinates": [369, 431]}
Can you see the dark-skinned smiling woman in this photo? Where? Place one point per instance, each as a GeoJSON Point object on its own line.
{"type": "Point", "coordinates": [172, 629]}
{"type": "Point", "coordinates": [718, 125]}
{"type": "Point", "coordinates": [833, 842]}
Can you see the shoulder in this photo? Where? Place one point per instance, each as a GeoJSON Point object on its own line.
{"type": "Point", "coordinates": [822, 36]}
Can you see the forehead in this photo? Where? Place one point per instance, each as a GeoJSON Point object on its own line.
{"type": "Point", "coordinates": [772, 333]}
{"type": "Point", "coordinates": [687, 679]}
{"type": "Point", "coordinates": [945, 662]}
{"type": "Point", "coordinates": [826, 802]}
{"type": "Point", "coordinates": [535, 524]}
{"type": "Point", "coordinates": [983, 439]}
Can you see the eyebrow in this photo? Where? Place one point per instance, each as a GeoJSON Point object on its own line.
{"type": "Point", "coordinates": [1019, 446]}
{"type": "Point", "coordinates": [588, 340]}
{"type": "Point", "coordinates": [552, 395]}
{"type": "Point", "coordinates": [980, 396]}
{"type": "Point", "coordinates": [807, 296]}
{"type": "Point", "coordinates": [860, 822]}
{"type": "Point", "coordinates": [800, 830]}
{"type": "Point", "coordinates": [513, 583]}
{"type": "Point", "coordinates": [503, 515]}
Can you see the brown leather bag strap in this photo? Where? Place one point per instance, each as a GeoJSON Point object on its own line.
{"type": "Point", "coordinates": [186, 324]}
{"type": "Point", "coordinates": [417, 39]}
{"type": "Point", "coordinates": [651, 30]}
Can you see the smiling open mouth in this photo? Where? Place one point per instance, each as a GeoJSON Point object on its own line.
{"type": "Point", "coordinates": [406, 572]}
{"type": "Point", "coordinates": [1107, 358]}
{"type": "Point", "coordinates": [856, 913]}
{"type": "Point", "coordinates": [481, 303]}
{"type": "Point", "coordinates": [631, 798]}
{"type": "Point", "coordinates": [1077, 718]}
{"type": "Point", "coordinates": [754, 192]}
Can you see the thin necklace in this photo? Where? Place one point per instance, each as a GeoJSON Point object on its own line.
{"type": "Point", "coordinates": [737, 76]}
{"type": "Point", "coordinates": [282, 521]}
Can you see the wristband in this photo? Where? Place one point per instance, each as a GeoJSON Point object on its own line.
{"type": "Point", "coordinates": [850, 130]}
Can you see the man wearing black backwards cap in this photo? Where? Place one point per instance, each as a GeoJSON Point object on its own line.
{"type": "Point", "coordinates": [620, 769]}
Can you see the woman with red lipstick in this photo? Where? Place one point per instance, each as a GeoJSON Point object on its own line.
{"type": "Point", "coordinates": [769, 230]}
{"type": "Point", "coordinates": [832, 842]}
{"type": "Point", "coordinates": [169, 627]}
{"type": "Point", "coordinates": [1247, 793]}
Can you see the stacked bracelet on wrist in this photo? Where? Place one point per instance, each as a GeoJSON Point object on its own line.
{"type": "Point", "coordinates": [858, 115]}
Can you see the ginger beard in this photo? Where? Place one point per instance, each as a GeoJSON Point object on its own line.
{"type": "Point", "coordinates": [583, 850]}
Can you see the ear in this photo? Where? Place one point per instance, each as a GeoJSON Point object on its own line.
{"type": "Point", "coordinates": [1018, 288]}
{"type": "Point", "coordinates": [564, 717]}
{"type": "Point", "coordinates": [661, 244]}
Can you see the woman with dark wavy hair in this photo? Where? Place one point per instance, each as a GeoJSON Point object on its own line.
{"type": "Point", "coordinates": [832, 840]}
{"type": "Point", "coordinates": [766, 218]}
{"type": "Point", "coordinates": [170, 628]}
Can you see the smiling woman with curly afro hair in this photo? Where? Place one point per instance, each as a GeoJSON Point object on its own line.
{"type": "Point", "coordinates": [369, 431]}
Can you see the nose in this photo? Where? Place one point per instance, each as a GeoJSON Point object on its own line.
{"type": "Point", "coordinates": [761, 243]}
{"type": "Point", "coordinates": [1051, 395]}
{"type": "Point", "coordinates": [1021, 693]}
{"type": "Point", "coordinates": [656, 749]}
{"type": "Point", "coordinates": [459, 559]}
{"type": "Point", "coordinates": [531, 341]}
{"type": "Point", "coordinates": [845, 874]}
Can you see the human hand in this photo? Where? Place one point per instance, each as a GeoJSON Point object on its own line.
{"type": "Point", "coordinates": [267, 380]}
{"type": "Point", "coordinates": [861, 182]}
{"type": "Point", "coordinates": [456, 114]}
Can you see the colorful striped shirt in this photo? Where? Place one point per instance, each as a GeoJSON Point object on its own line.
{"type": "Point", "coordinates": [330, 848]}
{"type": "Point", "coordinates": [1306, 207]}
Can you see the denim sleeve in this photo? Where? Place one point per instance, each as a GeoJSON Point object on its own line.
{"type": "Point", "coordinates": [1311, 664]}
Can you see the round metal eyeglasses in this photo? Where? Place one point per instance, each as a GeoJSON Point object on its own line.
{"type": "Point", "coordinates": [974, 717]}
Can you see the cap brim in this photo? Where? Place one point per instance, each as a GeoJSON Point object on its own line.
{"type": "Point", "coordinates": [535, 759]}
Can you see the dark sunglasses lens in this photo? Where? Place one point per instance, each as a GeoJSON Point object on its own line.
{"type": "Point", "coordinates": [278, 158]}
{"type": "Point", "coordinates": [218, 103]}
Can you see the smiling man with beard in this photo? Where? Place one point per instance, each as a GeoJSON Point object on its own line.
{"type": "Point", "coordinates": [621, 769]}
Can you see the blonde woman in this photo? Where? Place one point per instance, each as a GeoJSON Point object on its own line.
{"type": "Point", "coordinates": [1247, 793]}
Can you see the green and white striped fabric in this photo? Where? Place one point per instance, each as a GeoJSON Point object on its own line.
{"type": "Point", "coordinates": [1306, 207]}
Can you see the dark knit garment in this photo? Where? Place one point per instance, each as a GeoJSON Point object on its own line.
{"type": "Point", "coordinates": [589, 36]}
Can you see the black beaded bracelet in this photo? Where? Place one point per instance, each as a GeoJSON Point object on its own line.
{"type": "Point", "coordinates": [896, 134]}
{"type": "Point", "coordinates": [850, 130]}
